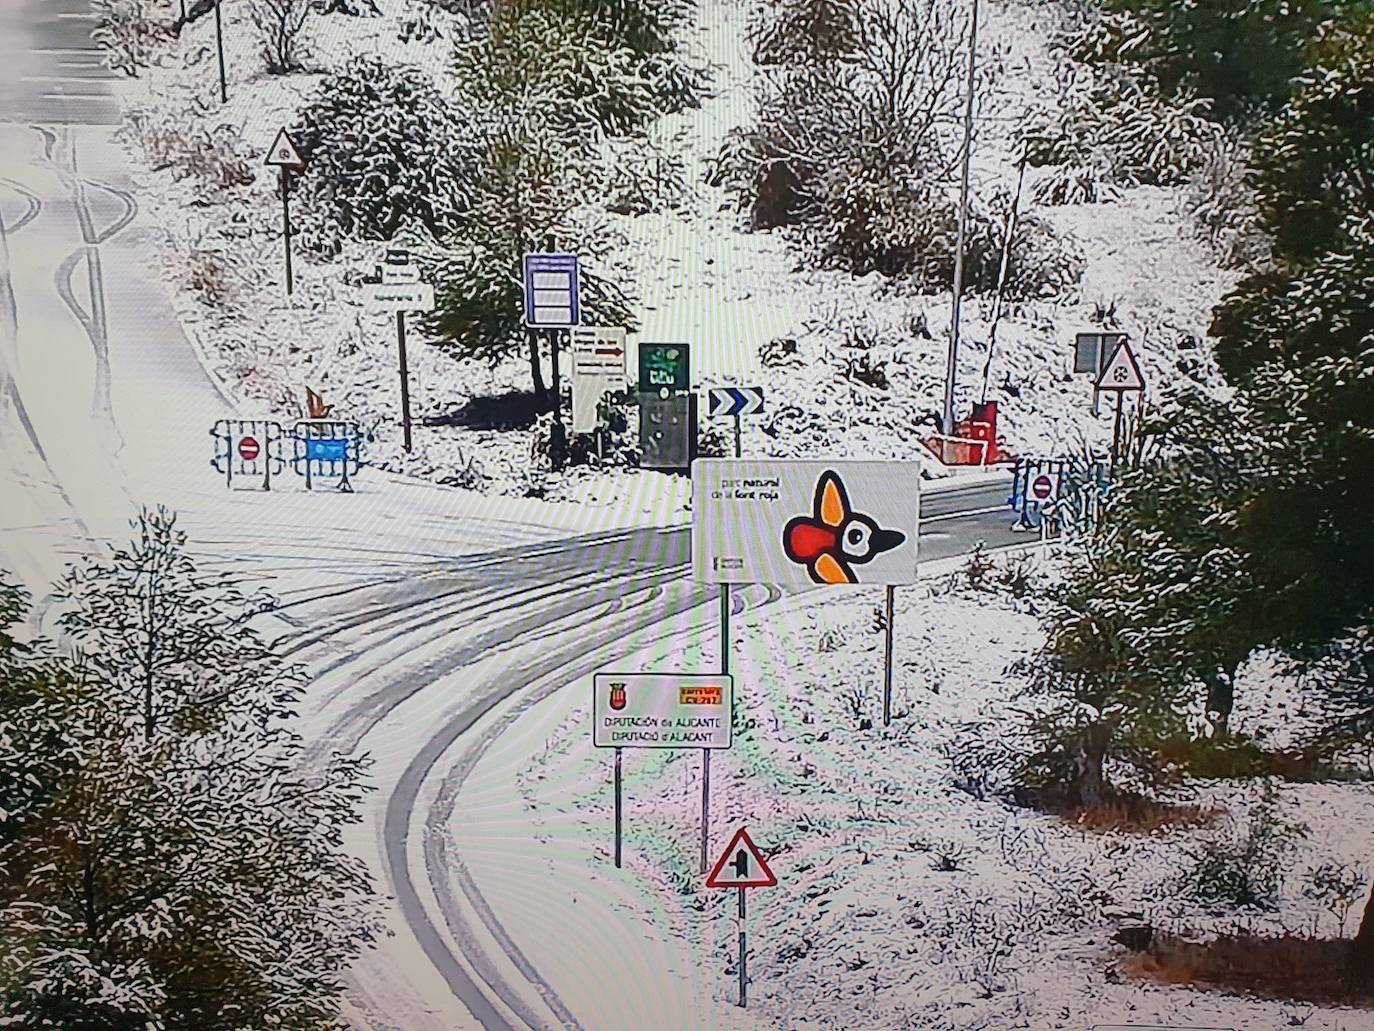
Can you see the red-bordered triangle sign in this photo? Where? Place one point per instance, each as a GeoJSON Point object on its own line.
{"type": "Point", "coordinates": [741, 865]}
{"type": "Point", "coordinates": [284, 152]}
{"type": "Point", "coordinates": [1121, 372]}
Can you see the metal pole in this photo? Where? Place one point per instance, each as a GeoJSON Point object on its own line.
{"type": "Point", "coordinates": [219, 46]}
{"type": "Point", "coordinates": [557, 439]}
{"type": "Point", "coordinates": [706, 752]}
{"type": "Point", "coordinates": [737, 435]}
{"type": "Point", "coordinates": [1116, 435]}
{"type": "Point", "coordinates": [743, 954]}
{"type": "Point", "coordinates": [705, 802]}
{"type": "Point", "coordinates": [887, 660]}
{"type": "Point", "coordinates": [617, 807]}
{"type": "Point", "coordinates": [951, 369]}
{"type": "Point", "coordinates": [266, 459]}
{"type": "Point", "coordinates": [286, 227]}
{"type": "Point", "coordinates": [405, 377]}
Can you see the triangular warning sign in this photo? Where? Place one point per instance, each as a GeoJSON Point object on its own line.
{"type": "Point", "coordinates": [1121, 372]}
{"type": "Point", "coordinates": [284, 152]}
{"type": "Point", "coordinates": [741, 865]}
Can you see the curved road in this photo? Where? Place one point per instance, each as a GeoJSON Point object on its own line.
{"type": "Point", "coordinates": [410, 647]}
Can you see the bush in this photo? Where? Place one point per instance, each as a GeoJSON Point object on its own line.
{"type": "Point", "coordinates": [582, 68]}
{"type": "Point", "coordinates": [1122, 130]}
{"type": "Point", "coordinates": [801, 31]}
{"type": "Point", "coordinates": [214, 156]}
{"type": "Point", "coordinates": [385, 154]}
{"type": "Point", "coordinates": [1221, 202]}
{"type": "Point", "coordinates": [1238, 53]}
{"type": "Point", "coordinates": [1245, 865]}
{"type": "Point", "coordinates": [851, 149]}
{"type": "Point", "coordinates": [127, 33]}
{"type": "Point", "coordinates": [280, 24]}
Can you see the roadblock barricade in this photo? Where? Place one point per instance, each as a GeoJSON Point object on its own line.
{"type": "Point", "coordinates": [327, 449]}
{"type": "Point", "coordinates": [248, 452]}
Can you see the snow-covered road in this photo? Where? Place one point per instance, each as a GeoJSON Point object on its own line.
{"type": "Point", "coordinates": [425, 614]}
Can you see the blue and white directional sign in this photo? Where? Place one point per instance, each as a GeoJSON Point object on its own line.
{"type": "Point", "coordinates": [551, 300]}
{"type": "Point", "coordinates": [735, 401]}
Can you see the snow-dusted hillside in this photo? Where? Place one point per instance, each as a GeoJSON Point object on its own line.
{"type": "Point", "coordinates": [698, 276]}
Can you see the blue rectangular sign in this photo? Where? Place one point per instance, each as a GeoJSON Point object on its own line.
{"type": "Point", "coordinates": [551, 295]}
{"type": "Point", "coordinates": [328, 449]}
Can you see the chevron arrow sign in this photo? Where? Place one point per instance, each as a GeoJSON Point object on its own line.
{"type": "Point", "coordinates": [735, 401]}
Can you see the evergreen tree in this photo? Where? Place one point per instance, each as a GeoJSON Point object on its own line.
{"type": "Point", "coordinates": [180, 865]}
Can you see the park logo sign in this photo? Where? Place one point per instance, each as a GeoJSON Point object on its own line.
{"type": "Point", "coordinates": [805, 522]}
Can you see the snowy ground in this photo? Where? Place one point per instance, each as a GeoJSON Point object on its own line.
{"type": "Point", "coordinates": [473, 702]}
{"type": "Point", "coordinates": [699, 277]}
{"type": "Point", "coordinates": [902, 902]}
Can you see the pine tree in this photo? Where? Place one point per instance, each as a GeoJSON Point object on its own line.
{"type": "Point", "coordinates": [183, 867]}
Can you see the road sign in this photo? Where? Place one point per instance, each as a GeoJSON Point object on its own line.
{"type": "Point", "coordinates": [741, 865]}
{"type": "Point", "coordinates": [599, 351]}
{"type": "Point", "coordinates": [551, 291]}
{"type": "Point", "coordinates": [598, 365]}
{"type": "Point", "coordinates": [247, 451]}
{"type": "Point", "coordinates": [802, 522]}
{"type": "Point", "coordinates": [398, 269]}
{"type": "Point", "coordinates": [400, 297]}
{"type": "Point", "coordinates": [725, 401]}
{"type": "Point", "coordinates": [284, 153]}
{"type": "Point", "coordinates": [664, 367]}
{"type": "Point", "coordinates": [1044, 488]}
{"type": "Point", "coordinates": [661, 710]}
{"type": "Point", "coordinates": [1091, 350]}
{"type": "Point", "coordinates": [667, 431]}
{"type": "Point", "coordinates": [1122, 372]}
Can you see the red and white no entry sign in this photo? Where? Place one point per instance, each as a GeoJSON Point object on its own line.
{"type": "Point", "coordinates": [1043, 488]}
{"type": "Point", "coordinates": [249, 448]}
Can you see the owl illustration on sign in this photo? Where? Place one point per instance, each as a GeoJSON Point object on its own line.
{"type": "Point", "coordinates": [835, 538]}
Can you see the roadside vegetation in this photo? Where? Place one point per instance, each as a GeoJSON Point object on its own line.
{"type": "Point", "coordinates": [1239, 531]}
{"type": "Point", "coordinates": [170, 857]}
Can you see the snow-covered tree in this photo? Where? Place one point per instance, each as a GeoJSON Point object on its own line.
{"type": "Point", "coordinates": [386, 154]}
{"type": "Point", "coordinates": [181, 863]}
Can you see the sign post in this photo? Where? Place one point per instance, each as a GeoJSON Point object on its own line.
{"type": "Point", "coordinates": [1122, 375]}
{"type": "Point", "coordinates": [399, 289]}
{"type": "Point", "coordinates": [735, 401]}
{"type": "Point", "coordinates": [287, 157]}
{"type": "Point", "coordinates": [887, 655]}
{"type": "Point", "coordinates": [660, 710]}
{"type": "Point", "coordinates": [219, 46]}
{"type": "Point", "coordinates": [1090, 354]}
{"type": "Point", "coordinates": [598, 365]}
{"type": "Point", "coordinates": [781, 521]}
{"type": "Point", "coordinates": [552, 303]}
{"type": "Point", "coordinates": [741, 866]}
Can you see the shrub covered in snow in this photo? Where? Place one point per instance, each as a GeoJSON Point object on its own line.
{"type": "Point", "coordinates": [385, 154]}
{"type": "Point", "coordinates": [281, 28]}
{"type": "Point", "coordinates": [213, 155]}
{"type": "Point", "coordinates": [852, 147]}
{"type": "Point", "coordinates": [584, 67]}
{"type": "Point", "coordinates": [1245, 863]}
{"type": "Point", "coordinates": [127, 31]}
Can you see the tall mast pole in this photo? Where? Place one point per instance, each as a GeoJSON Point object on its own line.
{"type": "Point", "coordinates": [952, 367]}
